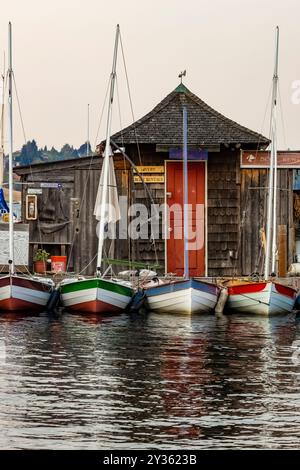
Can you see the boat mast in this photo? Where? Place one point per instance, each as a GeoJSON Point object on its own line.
{"type": "Point", "coordinates": [2, 127]}
{"type": "Point", "coordinates": [185, 195]}
{"type": "Point", "coordinates": [274, 150]}
{"type": "Point", "coordinates": [88, 130]}
{"type": "Point", "coordinates": [107, 153]}
{"type": "Point", "coordinates": [272, 189]}
{"type": "Point", "coordinates": [10, 154]}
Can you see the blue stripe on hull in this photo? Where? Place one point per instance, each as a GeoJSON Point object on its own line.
{"type": "Point", "coordinates": [182, 285]}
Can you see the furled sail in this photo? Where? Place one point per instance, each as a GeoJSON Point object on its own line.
{"type": "Point", "coordinates": [110, 199]}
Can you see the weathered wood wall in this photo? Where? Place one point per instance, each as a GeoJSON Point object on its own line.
{"type": "Point", "coordinates": [223, 211]}
{"type": "Point", "coordinates": [235, 211]}
{"type": "Point", "coordinates": [148, 251]}
{"type": "Point", "coordinates": [223, 200]}
{"type": "Point", "coordinates": [253, 216]}
{"type": "Point", "coordinates": [65, 223]}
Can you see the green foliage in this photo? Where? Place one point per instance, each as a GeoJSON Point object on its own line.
{"type": "Point", "coordinates": [83, 148]}
{"type": "Point", "coordinates": [41, 255]}
{"type": "Point", "coordinates": [31, 154]}
{"type": "Point", "coordinates": [68, 152]}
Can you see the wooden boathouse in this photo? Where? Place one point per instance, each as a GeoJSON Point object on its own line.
{"type": "Point", "coordinates": [222, 176]}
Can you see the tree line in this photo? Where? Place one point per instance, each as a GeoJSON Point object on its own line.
{"type": "Point", "coordinates": [30, 153]}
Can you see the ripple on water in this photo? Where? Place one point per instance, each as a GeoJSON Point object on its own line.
{"type": "Point", "coordinates": [149, 381]}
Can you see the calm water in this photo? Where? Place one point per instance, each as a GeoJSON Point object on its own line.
{"type": "Point", "coordinates": [148, 381]}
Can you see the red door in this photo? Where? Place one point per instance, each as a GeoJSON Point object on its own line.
{"type": "Point", "coordinates": [196, 199]}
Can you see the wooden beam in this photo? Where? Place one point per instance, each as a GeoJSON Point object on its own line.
{"type": "Point", "coordinates": [282, 250]}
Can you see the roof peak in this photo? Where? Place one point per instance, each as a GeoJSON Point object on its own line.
{"type": "Point", "coordinates": [163, 125]}
{"type": "Point", "coordinates": [181, 88]}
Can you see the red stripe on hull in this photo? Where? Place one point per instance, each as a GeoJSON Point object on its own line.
{"type": "Point", "coordinates": [246, 288]}
{"type": "Point", "coordinates": [250, 288]}
{"type": "Point", "coordinates": [285, 290]}
{"type": "Point", "coordinates": [94, 306]}
{"type": "Point", "coordinates": [12, 305]}
{"type": "Point", "coordinates": [27, 283]}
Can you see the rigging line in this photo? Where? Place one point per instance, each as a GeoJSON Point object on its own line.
{"type": "Point", "coordinates": [102, 112]}
{"type": "Point", "coordinates": [109, 267]}
{"type": "Point", "coordinates": [258, 264]}
{"type": "Point", "coordinates": [260, 259]}
{"type": "Point", "coordinates": [258, 302]}
{"type": "Point", "coordinates": [80, 209]}
{"type": "Point", "coordinates": [248, 189]}
{"type": "Point", "coordinates": [87, 177]}
{"type": "Point", "coordinates": [25, 141]}
{"type": "Point", "coordinates": [120, 117]}
{"type": "Point", "coordinates": [122, 138]}
{"type": "Point", "coordinates": [264, 119]}
{"type": "Point", "coordinates": [92, 260]}
{"type": "Point", "coordinates": [136, 170]}
{"type": "Point", "coordinates": [4, 80]}
{"type": "Point", "coordinates": [270, 122]}
{"type": "Point", "coordinates": [5, 83]}
{"type": "Point", "coordinates": [19, 108]}
{"type": "Point", "coordinates": [132, 197]}
{"type": "Point", "coordinates": [130, 101]}
{"type": "Point", "coordinates": [265, 116]}
{"type": "Point", "coordinates": [242, 224]}
{"type": "Point", "coordinates": [282, 118]}
{"type": "Point", "coordinates": [22, 264]}
{"type": "Point", "coordinates": [147, 191]}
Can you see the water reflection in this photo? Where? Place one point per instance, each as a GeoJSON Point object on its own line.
{"type": "Point", "coordinates": [141, 381]}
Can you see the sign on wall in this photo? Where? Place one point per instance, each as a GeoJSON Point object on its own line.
{"type": "Point", "coordinates": [193, 154]}
{"type": "Point", "coordinates": [51, 185]}
{"type": "Point", "coordinates": [150, 173]}
{"type": "Point", "coordinates": [21, 244]}
{"type": "Point", "coordinates": [151, 169]}
{"type": "Point", "coordinates": [149, 179]}
{"type": "Point", "coordinates": [31, 206]}
{"type": "Point", "coordinates": [34, 191]}
{"type": "Point", "coordinates": [261, 159]}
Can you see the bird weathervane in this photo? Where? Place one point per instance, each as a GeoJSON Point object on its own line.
{"type": "Point", "coordinates": [182, 74]}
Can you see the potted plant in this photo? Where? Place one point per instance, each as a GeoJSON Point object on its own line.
{"type": "Point", "coordinates": [40, 261]}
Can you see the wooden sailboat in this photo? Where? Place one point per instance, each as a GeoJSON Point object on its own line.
{"type": "Point", "coordinates": [185, 295]}
{"type": "Point", "coordinates": [267, 296]}
{"type": "Point", "coordinates": [99, 294]}
{"type": "Point", "coordinates": [19, 292]}
{"type": "Point", "coordinates": [182, 296]}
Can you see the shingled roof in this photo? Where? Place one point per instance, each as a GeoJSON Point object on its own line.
{"type": "Point", "coordinates": [163, 125]}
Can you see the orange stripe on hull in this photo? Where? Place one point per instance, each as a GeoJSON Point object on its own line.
{"type": "Point", "coordinates": [12, 305]}
{"type": "Point", "coordinates": [94, 306]}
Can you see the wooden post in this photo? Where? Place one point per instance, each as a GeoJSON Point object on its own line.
{"type": "Point", "coordinates": [282, 250]}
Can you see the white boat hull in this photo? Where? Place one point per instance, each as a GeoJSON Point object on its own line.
{"type": "Point", "coordinates": [271, 299]}
{"type": "Point", "coordinates": [95, 295]}
{"type": "Point", "coordinates": [24, 293]}
{"type": "Point", "coordinates": [185, 297]}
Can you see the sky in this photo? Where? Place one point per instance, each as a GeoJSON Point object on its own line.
{"type": "Point", "coordinates": [62, 57]}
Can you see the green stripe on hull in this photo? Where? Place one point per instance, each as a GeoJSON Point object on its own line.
{"type": "Point", "coordinates": [96, 283]}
